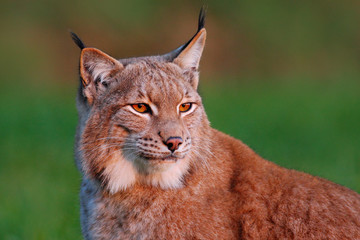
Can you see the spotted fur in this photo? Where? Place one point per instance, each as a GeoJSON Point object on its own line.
{"type": "Point", "coordinates": [211, 187]}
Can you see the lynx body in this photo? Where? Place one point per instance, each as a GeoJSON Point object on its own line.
{"type": "Point", "coordinates": [153, 168]}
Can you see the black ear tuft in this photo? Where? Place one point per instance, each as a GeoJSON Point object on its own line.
{"type": "Point", "coordinates": [202, 18]}
{"type": "Point", "coordinates": [77, 40]}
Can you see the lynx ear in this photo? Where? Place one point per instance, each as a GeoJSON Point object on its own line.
{"type": "Point", "coordinates": [189, 58]}
{"type": "Point", "coordinates": [96, 70]}
{"type": "Point", "coordinates": [188, 55]}
{"type": "Point", "coordinates": [97, 66]}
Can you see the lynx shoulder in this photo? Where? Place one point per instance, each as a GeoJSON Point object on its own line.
{"type": "Point", "coordinates": [153, 168]}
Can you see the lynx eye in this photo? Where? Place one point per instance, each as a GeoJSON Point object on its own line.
{"type": "Point", "coordinates": [185, 107]}
{"type": "Point", "coordinates": [141, 107]}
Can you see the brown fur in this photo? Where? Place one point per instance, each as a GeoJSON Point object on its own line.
{"type": "Point", "coordinates": [212, 187]}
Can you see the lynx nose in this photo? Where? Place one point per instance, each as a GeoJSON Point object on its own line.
{"type": "Point", "coordinates": [173, 143]}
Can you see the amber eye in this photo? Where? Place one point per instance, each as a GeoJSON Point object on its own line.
{"type": "Point", "coordinates": [141, 107]}
{"type": "Point", "coordinates": [185, 107]}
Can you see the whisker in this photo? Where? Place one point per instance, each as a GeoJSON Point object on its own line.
{"type": "Point", "coordinates": [102, 147]}
{"type": "Point", "coordinates": [105, 138]}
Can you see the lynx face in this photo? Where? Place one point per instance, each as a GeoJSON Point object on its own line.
{"type": "Point", "coordinates": [143, 117]}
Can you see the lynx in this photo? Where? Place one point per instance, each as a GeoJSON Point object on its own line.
{"type": "Point", "coordinates": [153, 168]}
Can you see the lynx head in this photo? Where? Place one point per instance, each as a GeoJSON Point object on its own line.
{"type": "Point", "coordinates": [141, 119]}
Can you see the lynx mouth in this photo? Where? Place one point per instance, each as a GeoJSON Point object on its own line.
{"type": "Point", "coordinates": [169, 158]}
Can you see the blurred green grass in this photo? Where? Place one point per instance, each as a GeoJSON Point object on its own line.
{"type": "Point", "coordinates": [38, 180]}
{"type": "Point", "coordinates": [303, 125]}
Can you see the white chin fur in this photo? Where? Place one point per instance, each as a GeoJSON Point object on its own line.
{"type": "Point", "coordinates": [121, 174]}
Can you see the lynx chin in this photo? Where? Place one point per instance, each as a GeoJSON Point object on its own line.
{"type": "Point", "coordinates": [153, 168]}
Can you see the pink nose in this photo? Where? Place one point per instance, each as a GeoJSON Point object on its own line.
{"type": "Point", "coordinates": [173, 143]}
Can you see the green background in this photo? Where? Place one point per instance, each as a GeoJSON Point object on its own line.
{"type": "Point", "coordinates": [282, 76]}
